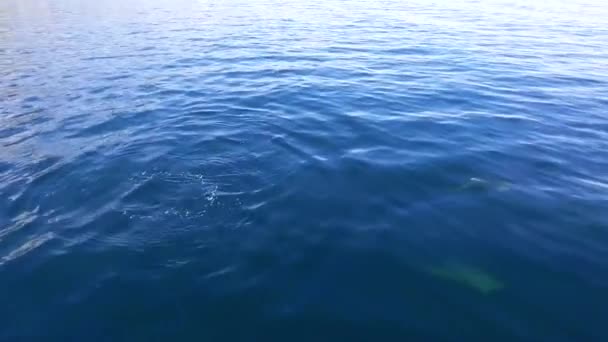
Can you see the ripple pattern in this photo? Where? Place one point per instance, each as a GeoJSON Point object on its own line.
{"type": "Point", "coordinates": [303, 170]}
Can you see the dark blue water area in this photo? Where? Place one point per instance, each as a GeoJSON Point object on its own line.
{"type": "Point", "coordinates": [262, 170]}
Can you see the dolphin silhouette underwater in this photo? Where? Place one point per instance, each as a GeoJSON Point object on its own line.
{"type": "Point", "coordinates": [467, 275]}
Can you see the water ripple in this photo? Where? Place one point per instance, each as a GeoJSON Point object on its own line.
{"type": "Point", "coordinates": [358, 171]}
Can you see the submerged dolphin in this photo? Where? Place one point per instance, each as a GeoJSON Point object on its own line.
{"type": "Point", "coordinates": [469, 276]}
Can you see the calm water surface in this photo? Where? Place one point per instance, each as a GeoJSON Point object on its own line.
{"type": "Point", "coordinates": [264, 170]}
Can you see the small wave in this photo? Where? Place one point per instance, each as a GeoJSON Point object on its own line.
{"type": "Point", "coordinates": [19, 222]}
{"type": "Point", "coordinates": [27, 247]}
{"type": "Point", "coordinates": [134, 55]}
{"type": "Point", "coordinates": [221, 272]}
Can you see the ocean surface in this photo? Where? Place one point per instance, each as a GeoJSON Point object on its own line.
{"type": "Point", "coordinates": [265, 170]}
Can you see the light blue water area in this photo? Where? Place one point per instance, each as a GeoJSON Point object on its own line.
{"type": "Point", "coordinates": [263, 170]}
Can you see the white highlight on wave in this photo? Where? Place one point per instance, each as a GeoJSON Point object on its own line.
{"type": "Point", "coordinates": [27, 247]}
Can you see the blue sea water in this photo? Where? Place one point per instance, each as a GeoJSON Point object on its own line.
{"type": "Point", "coordinates": [264, 170]}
